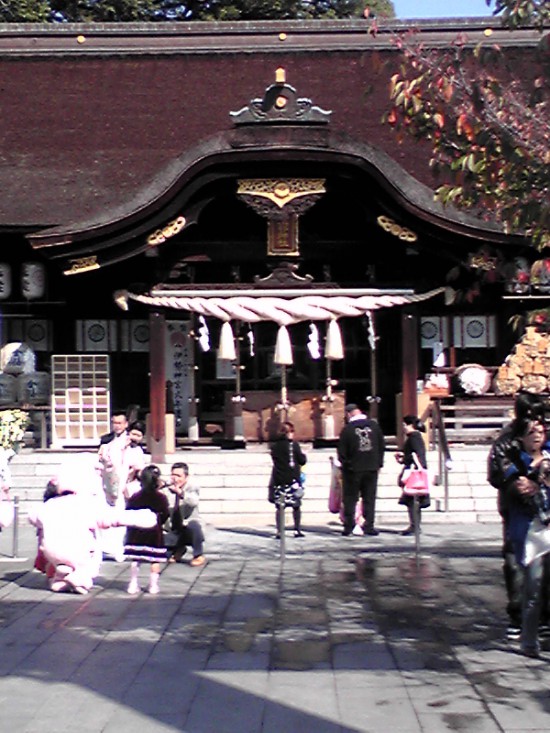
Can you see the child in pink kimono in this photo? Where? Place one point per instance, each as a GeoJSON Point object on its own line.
{"type": "Point", "coordinates": [69, 522]}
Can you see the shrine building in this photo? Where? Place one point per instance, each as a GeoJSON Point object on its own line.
{"type": "Point", "coordinates": [212, 222]}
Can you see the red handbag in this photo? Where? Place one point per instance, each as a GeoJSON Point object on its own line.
{"type": "Point", "coordinates": [416, 481]}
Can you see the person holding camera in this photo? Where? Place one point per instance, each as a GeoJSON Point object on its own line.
{"type": "Point", "coordinates": [528, 493]}
{"type": "Point", "coordinates": [186, 521]}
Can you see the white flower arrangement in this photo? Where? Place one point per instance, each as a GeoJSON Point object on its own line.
{"type": "Point", "coordinates": [12, 428]}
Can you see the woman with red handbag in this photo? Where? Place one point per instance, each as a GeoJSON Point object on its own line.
{"type": "Point", "coordinates": [413, 458]}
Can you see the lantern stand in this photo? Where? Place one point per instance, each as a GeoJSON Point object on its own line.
{"type": "Point", "coordinates": [334, 350]}
{"type": "Point", "coordinates": [372, 399]}
{"type": "Point", "coordinates": [328, 399]}
{"type": "Point", "coordinates": [284, 405]}
{"type": "Point", "coordinates": [283, 357]}
{"type": "Point", "coordinates": [193, 423]}
{"type": "Point", "coordinates": [238, 400]}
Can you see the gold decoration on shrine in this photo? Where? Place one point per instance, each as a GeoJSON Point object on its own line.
{"type": "Point", "coordinates": [392, 227]}
{"type": "Point", "coordinates": [82, 264]}
{"type": "Point", "coordinates": [281, 192]}
{"type": "Point", "coordinates": [281, 201]}
{"type": "Point", "coordinates": [282, 237]}
{"type": "Point", "coordinates": [171, 229]}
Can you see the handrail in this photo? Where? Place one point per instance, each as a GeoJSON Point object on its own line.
{"type": "Point", "coordinates": [445, 461]}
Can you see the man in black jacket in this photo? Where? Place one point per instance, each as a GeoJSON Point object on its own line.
{"type": "Point", "coordinates": [119, 425]}
{"type": "Point", "coordinates": [361, 449]}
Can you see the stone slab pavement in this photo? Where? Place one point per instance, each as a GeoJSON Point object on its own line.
{"type": "Point", "coordinates": [346, 634]}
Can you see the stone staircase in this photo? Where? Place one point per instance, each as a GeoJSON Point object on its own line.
{"type": "Point", "coordinates": [234, 486]}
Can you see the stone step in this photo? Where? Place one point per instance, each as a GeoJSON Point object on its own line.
{"type": "Point", "coordinates": [234, 485]}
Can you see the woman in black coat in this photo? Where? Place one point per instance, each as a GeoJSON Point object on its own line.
{"type": "Point", "coordinates": [413, 456]}
{"type": "Point", "coordinates": [288, 458]}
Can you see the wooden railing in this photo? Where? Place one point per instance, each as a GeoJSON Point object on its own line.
{"type": "Point", "coordinates": [475, 420]}
{"type": "Point", "coordinates": [438, 439]}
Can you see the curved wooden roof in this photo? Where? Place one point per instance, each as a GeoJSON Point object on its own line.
{"type": "Point", "coordinates": [123, 124]}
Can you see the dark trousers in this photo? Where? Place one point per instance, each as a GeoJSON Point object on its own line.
{"type": "Point", "coordinates": [513, 581]}
{"type": "Point", "coordinates": [533, 583]}
{"type": "Point", "coordinates": [191, 534]}
{"type": "Point", "coordinates": [359, 484]}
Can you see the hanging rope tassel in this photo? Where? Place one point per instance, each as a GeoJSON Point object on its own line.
{"type": "Point", "coordinates": [227, 343]}
{"type": "Point", "coordinates": [283, 347]}
{"type": "Point", "coordinates": [334, 348]}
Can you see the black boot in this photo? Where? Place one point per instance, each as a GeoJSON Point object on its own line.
{"type": "Point", "coordinates": [297, 514]}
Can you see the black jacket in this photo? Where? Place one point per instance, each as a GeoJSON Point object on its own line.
{"type": "Point", "coordinates": [288, 458]}
{"type": "Point", "coordinates": [361, 446]}
{"type": "Point", "coordinates": [502, 455]}
{"type": "Point", "coordinates": [414, 443]}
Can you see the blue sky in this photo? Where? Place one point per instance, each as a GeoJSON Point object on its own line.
{"type": "Point", "coordinates": [441, 8]}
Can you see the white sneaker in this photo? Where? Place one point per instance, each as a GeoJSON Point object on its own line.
{"type": "Point", "coordinates": [154, 586]}
{"type": "Point", "coordinates": [133, 587]}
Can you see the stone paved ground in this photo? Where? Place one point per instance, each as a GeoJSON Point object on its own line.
{"type": "Point", "coordinates": [348, 634]}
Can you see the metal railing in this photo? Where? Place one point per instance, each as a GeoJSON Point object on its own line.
{"type": "Point", "coordinates": [438, 438]}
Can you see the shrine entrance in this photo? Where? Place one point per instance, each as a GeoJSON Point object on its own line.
{"type": "Point", "coordinates": [276, 208]}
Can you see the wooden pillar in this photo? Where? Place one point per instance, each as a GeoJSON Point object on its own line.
{"type": "Point", "coordinates": [157, 387]}
{"type": "Point", "coordinates": [409, 360]}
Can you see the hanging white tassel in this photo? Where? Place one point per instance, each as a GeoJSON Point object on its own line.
{"type": "Point", "coordinates": [334, 348]}
{"type": "Point", "coordinates": [250, 336]}
{"type": "Point", "coordinates": [371, 333]}
{"type": "Point", "coordinates": [313, 342]}
{"type": "Point", "coordinates": [283, 347]}
{"type": "Point", "coordinates": [226, 350]}
{"type": "Point", "coordinates": [204, 335]}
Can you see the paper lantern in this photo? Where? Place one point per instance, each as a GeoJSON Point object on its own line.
{"type": "Point", "coordinates": [283, 348]}
{"type": "Point", "coordinates": [334, 349]}
{"type": "Point", "coordinates": [227, 343]}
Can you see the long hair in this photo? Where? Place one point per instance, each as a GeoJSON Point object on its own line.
{"type": "Point", "coordinates": [415, 422]}
{"type": "Point", "coordinates": [150, 478]}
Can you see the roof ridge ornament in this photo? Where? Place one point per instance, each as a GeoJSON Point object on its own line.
{"type": "Point", "coordinates": [281, 105]}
